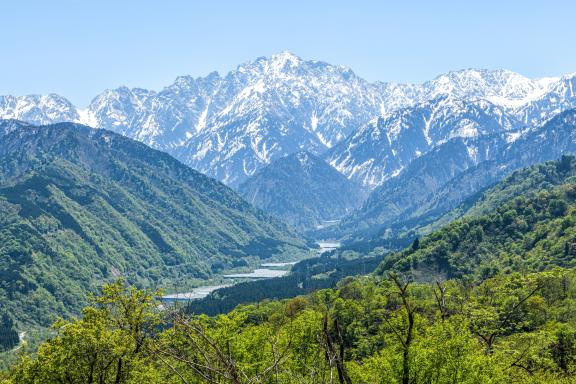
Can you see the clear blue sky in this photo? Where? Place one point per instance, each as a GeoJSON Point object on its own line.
{"type": "Point", "coordinates": [78, 48]}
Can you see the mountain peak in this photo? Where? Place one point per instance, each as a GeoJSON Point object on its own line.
{"type": "Point", "coordinates": [229, 127]}
{"type": "Point", "coordinates": [285, 57]}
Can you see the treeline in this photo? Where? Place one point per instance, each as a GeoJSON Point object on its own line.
{"type": "Point", "coordinates": [305, 277]}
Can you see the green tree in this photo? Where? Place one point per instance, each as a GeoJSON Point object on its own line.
{"type": "Point", "coordinates": [108, 345]}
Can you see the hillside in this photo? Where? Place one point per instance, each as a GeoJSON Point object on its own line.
{"type": "Point", "coordinates": [455, 172]}
{"type": "Point", "coordinates": [486, 299]}
{"type": "Point", "coordinates": [302, 190]}
{"type": "Point", "coordinates": [531, 232]}
{"type": "Point", "coordinates": [540, 177]}
{"type": "Point", "coordinates": [79, 207]}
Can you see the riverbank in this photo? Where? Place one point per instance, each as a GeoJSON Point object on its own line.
{"type": "Point", "coordinates": [268, 270]}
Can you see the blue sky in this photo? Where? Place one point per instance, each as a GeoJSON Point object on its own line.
{"type": "Point", "coordinates": [78, 48]}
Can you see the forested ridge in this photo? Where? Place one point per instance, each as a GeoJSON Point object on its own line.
{"type": "Point", "coordinates": [536, 178]}
{"type": "Point", "coordinates": [530, 232]}
{"type": "Point", "coordinates": [489, 298]}
{"type": "Point", "coordinates": [80, 207]}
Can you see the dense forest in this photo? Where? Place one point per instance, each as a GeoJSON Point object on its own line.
{"type": "Point", "coordinates": [8, 334]}
{"type": "Point", "coordinates": [511, 328]}
{"type": "Point", "coordinates": [306, 276]}
{"type": "Point", "coordinates": [489, 298]}
{"type": "Point", "coordinates": [529, 233]}
{"type": "Point", "coordinates": [81, 207]}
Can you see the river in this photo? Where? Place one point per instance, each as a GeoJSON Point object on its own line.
{"type": "Point", "coordinates": [266, 271]}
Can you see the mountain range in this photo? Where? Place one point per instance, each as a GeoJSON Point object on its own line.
{"type": "Point", "coordinates": [409, 152]}
{"type": "Point", "coordinates": [229, 126]}
{"type": "Point", "coordinates": [455, 172]}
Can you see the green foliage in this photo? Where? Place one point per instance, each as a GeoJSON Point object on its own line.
{"type": "Point", "coordinates": [108, 345]}
{"type": "Point", "coordinates": [8, 334]}
{"type": "Point", "coordinates": [529, 233]}
{"type": "Point", "coordinates": [545, 176]}
{"type": "Point", "coordinates": [490, 298]}
{"type": "Point", "coordinates": [80, 207]}
{"type": "Point", "coordinates": [508, 329]}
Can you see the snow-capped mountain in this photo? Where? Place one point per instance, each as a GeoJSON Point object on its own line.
{"type": "Point", "coordinates": [502, 87]}
{"type": "Point", "coordinates": [276, 107]}
{"type": "Point", "coordinates": [382, 148]}
{"type": "Point", "coordinates": [467, 103]}
{"type": "Point", "coordinates": [560, 95]}
{"type": "Point", "coordinates": [455, 171]}
{"type": "Point", "coordinates": [230, 126]}
{"type": "Point", "coordinates": [39, 110]}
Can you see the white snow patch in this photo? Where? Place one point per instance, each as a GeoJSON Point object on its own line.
{"type": "Point", "coordinates": [202, 120]}
{"type": "Point", "coordinates": [86, 117]}
{"type": "Point", "coordinates": [314, 121]}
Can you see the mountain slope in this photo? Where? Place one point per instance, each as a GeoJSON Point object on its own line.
{"type": "Point", "coordinates": [229, 126]}
{"type": "Point", "coordinates": [81, 206]}
{"type": "Point", "coordinates": [532, 232]}
{"type": "Point", "coordinates": [383, 148]}
{"type": "Point", "coordinates": [559, 97]}
{"type": "Point", "coordinates": [302, 190]}
{"type": "Point", "coordinates": [485, 299]}
{"type": "Point", "coordinates": [453, 172]}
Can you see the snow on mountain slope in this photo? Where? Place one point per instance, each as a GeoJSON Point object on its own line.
{"type": "Point", "coordinates": [454, 171]}
{"type": "Point", "coordinates": [230, 126]}
{"type": "Point", "coordinates": [559, 96]}
{"type": "Point", "coordinates": [502, 87]}
{"type": "Point", "coordinates": [382, 148]}
{"type": "Point", "coordinates": [285, 105]}
{"type": "Point", "coordinates": [37, 109]}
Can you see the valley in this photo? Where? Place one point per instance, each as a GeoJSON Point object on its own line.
{"type": "Point", "coordinates": [290, 221]}
{"type": "Point", "coordinates": [268, 270]}
{"type": "Point", "coordinates": [297, 192]}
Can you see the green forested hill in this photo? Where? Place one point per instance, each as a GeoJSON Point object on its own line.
{"type": "Point", "coordinates": [489, 298]}
{"type": "Point", "coordinates": [539, 177]}
{"type": "Point", "coordinates": [79, 207]}
{"type": "Point", "coordinates": [545, 176]}
{"type": "Point", "coordinates": [523, 224]}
